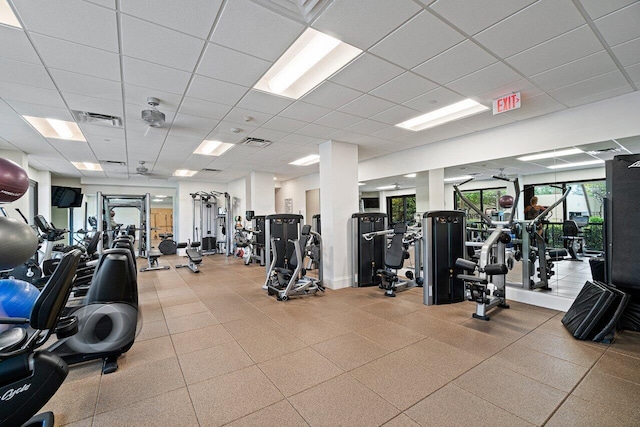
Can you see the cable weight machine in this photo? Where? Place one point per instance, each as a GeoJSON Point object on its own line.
{"type": "Point", "coordinates": [209, 220]}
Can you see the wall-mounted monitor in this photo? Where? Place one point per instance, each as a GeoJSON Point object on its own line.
{"type": "Point", "coordinates": [371, 202]}
{"type": "Point", "coordinates": [66, 197]}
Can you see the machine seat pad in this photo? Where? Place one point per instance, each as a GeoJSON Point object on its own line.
{"type": "Point", "coordinates": [154, 253]}
{"type": "Point", "coordinates": [557, 254]}
{"type": "Point", "coordinates": [470, 278]}
{"type": "Point", "coordinates": [389, 275]}
{"type": "Point", "coordinates": [12, 339]}
{"type": "Point", "coordinates": [283, 270]}
{"type": "Point", "coordinates": [194, 256]}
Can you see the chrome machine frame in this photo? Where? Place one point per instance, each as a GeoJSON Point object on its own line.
{"type": "Point", "coordinates": [203, 198]}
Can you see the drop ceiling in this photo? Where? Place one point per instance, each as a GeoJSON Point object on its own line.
{"type": "Point", "coordinates": [202, 59]}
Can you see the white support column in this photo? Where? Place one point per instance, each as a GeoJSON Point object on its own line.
{"type": "Point", "coordinates": [422, 192]}
{"type": "Point", "coordinates": [436, 190]}
{"type": "Point", "coordinates": [338, 201]}
{"type": "Point", "coordinates": [262, 198]}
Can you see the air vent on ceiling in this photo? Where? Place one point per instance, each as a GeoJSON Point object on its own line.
{"type": "Point", "coordinates": [255, 142]}
{"type": "Point", "coordinates": [300, 10]}
{"type": "Point", "coordinates": [605, 150]}
{"type": "Point", "coordinates": [113, 162]}
{"type": "Point", "coordinates": [211, 170]}
{"type": "Point", "coordinates": [96, 118]}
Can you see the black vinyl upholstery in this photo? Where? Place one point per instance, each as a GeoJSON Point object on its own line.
{"type": "Point", "coordinates": [395, 255]}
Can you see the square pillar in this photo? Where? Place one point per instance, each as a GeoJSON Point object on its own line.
{"type": "Point", "coordinates": [262, 196]}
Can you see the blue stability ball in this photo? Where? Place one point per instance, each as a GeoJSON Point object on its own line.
{"type": "Point", "coordinates": [18, 242]}
{"type": "Point", "coordinates": [17, 297]}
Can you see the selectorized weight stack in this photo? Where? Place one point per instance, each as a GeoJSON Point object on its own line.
{"type": "Point", "coordinates": [444, 242]}
{"type": "Point", "coordinates": [282, 228]}
{"type": "Point", "coordinates": [367, 255]}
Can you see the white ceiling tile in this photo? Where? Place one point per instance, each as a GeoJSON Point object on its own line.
{"type": "Point", "coordinates": [420, 39]}
{"type": "Point", "coordinates": [584, 68]}
{"type": "Point", "coordinates": [392, 133]}
{"type": "Point", "coordinates": [565, 48]}
{"type": "Point", "coordinates": [315, 130]}
{"type": "Point", "coordinates": [74, 150]}
{"type": "Point", "coordinates": [284, 124]}
{"type": "Point", "coordinates": [31, 94]}
{"type": "Point", "coordinates": [477, 15]}
{"type": "Point", "coordinates": [535, 106]}
{"type": "Point", "coordinates": [268, 134]}
{"type": "Point", "coordinates": [366, 106]}
{"type": "Point", "coordinates": [15, 45]}
{"type": "Point", "coordinates": [229, 65]}
{"type": "Point", "coordinates": [345, 136]}
{"type": "Point", "coordinates": [628, 53]}
{"type": "Point", "coordinates": [600, 96]}
{"type": "Point", "coordinates": [403, 88]}
{"type": "Point", "coordinates": [35, 110]}
{"type": "Point", "coordinates": [239, 116]}
{"type": "Point", "coordinates": [395, 115]}
{"type": "Point", "coordinates": [195, 19]}
{"type": "Point", "coordinates": [482, 81]}
{"type": "Point", "coordinates": [433, 100]}
{"type": "Point", "coordinates": [153, 76]}
{"type": "Point", "coordinates": [198, 107]}
{"type": "Point", "coordinates": [304, 112]}
{"type": "Point", "coordinates": [620, 26]}
{"type": "Point", "coordinates": [159, 45]}
{"type": "Point", "coordinates": [115, 149]}
{"type": "Point", "coordinates": [25, 74]}
{"type": "Point", "coordinates": [94, 105]}
{"type": "Point", "coordinates": [535, 24]}
{"type": "Point", "coordinates": [187, 121]}
{"type": "Point", "coordinates": [362, 23]}
{"type": "Point", "coordinates": [264, 102]}
{"type": "Point", "coordinates": [250, 28]}
{"type": "Point", "coordinates": [634, 73]}
{"type": "Point", "coordinates": [460, 60]}
{"type": "Point", "coordinates": [78, 58]}
{"type": "Point", "coordinates": [358, 75]}
{"type": "Point", "coordinates": [298, 139]}
{"type": "Point", "coordinates": [599, 8]}
{"type": "Point", "coordinates": [367, 127]}
{"type": "Point", "coordinates": [593, 86]}
{"type": "Point", "coordinates": [85, 85]}
{"type": "Point", "coordinates": [72, 20]}
{"type": "Point", "coordinates": [485, 120]}
{"type": "Point", "coordinates": [101, 132]}
{"type": "Point", "coordinates": [136, 95]}
{"type": "Point", "coordinates": [216, 90]}
{"type": "Point", "coordinates": [12, 119]}
{"type": "Point", "coordinates": [111, 4]}
{"type": "Point", "coordinates": [331, 95]}
{"type": "Point", "coordinates": [338, 120]}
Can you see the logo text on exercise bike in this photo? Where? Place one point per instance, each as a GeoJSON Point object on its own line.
{"type": "Point", "coordinates": [10, 394]}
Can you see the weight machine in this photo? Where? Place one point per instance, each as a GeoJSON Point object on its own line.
{"type": "Point", "coordinates": [207, 216]}
{"type": "Point", "coordinates": [141, 202]}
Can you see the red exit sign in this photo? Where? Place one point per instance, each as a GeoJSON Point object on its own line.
{"type": "Point", "coordinates": [506, 103]}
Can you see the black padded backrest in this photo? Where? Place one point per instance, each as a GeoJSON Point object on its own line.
{"type": "Point", "coordinates": [306, 230]}
{"type": "Point", "coordinates": [42, 224]}
{"type": "Point", "coordinates": [54, 295]}
{"type": "Point", "coordinates": [394, 258]}
{"type": "Point", "coordinates": [570, 228]}
{"type": "Point", "coordinates": [93, 243]}
{"type": "Point", "coordinates": [114, 279]}
{"type": "Point", "coordinates": [304, 238]}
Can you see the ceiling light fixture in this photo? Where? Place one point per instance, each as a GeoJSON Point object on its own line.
{"type": "Point", "coordinates": [458, 178]}
{"type": "Point", "coordinates": [572, 165]}
{"type": "Point", "coordinates": [551, 154]}
{"type": "Point", "coordinates": [7, 17]}
{"type": "Point", "coordinates": [306, 161]}
{"type": "Point", "coordinates": [387, 187]}
{"type": "Point", "coordinates": [213, 148]}
{"type": "Point", "coordinates": [410, 175]}
{"type": "Point", "coordinates": [157, 200]}
{"type": "Point", "coordinates": [184, 172]}
{"type": "Point", "coordinates": [310, 60]}
{"type": "Point", "coordinates": [161, 196]}
{"type": "Point", "coordinates": [87, 166]}
{"type": "Point", "coordinates": [443, 115]}
{"type": "Point", "coordinates": [56, 129]}
{"type": "Point", "coordinates": [361, 184]}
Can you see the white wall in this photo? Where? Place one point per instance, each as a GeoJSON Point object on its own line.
{"type": "Point", "coordinates": [296, 189]}
{"type": "Point", "coordinates": [238, 191]}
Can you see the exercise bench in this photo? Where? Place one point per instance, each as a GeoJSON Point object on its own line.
{"type": "Point", "coordinates": [195, 259]}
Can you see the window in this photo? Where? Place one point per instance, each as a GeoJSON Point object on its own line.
{"type": "Point", "coordinates": [486, 199]}
{"type": "Point", "coordinates": [401, 209]}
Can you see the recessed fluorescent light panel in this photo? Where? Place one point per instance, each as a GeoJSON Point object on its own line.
{"type": "Point", "coordinates": [551, 154]}
{"type": "Point", "coordinates": [184, 172]}
{"type": "Point", "coordinates": [443, 115]}
{"type": "Point", "coordinates": [387, 187]}
{"type": "Point", "coordinates": [7, 17]}
{"type": "Point", "coordinates": [213, 148]}
{"type": "Point", "coordinates": [306, 161]}
{"type": "Point", "coordinates": [161, 196]}
{"type": "Point", "coordinates": [310, 60]}
{"type": "Point", "coordinates": [458, 178]}
{"type": "Point", "coordinates": [573, 165]}
{"type": "Point", "coordinates": [361, 183]}
{"type": "Point", "coordinates": [87, 166]}
{"type": "Point", "coordinates": [56, 129]}
{"type": "Point", "coordinates": [157, 200]}
{"type": "Point", "coordinates": [410, 175]}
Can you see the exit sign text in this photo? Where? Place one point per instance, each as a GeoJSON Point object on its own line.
{"type": "Point", "coordinates": [506, 103]}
